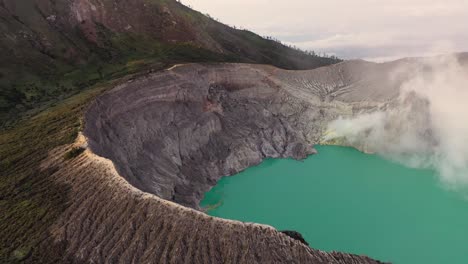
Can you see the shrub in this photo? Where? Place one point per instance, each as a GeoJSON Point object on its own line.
{"type": "Point", "coordinates": [73, 153]}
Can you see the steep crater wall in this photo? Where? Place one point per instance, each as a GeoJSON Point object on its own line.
{"type": "Point", "coordinates": [175, 133]}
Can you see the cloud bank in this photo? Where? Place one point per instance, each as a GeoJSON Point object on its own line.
{"type": "Point", "coordinates": [427, 127]}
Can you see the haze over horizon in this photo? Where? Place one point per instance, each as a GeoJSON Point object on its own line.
{"type": "Point", "coordinates": [365, 29]}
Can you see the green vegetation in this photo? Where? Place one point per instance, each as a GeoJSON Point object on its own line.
{"type": "Point", "coordinates": [25, 96]}
{"type": "Point", "coordinates": [73, 153]}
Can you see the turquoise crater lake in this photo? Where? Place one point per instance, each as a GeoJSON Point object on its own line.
{"type": "Point", "coordinates": [344, 200]}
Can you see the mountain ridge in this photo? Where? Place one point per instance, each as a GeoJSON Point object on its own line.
{"type": "Point", "coordinates": [52, 49]}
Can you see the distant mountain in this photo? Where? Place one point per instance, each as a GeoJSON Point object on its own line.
{"type": "Point", "coordinates": [50, 49]}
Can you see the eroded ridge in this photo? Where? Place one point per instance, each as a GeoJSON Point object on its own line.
{"type": "Point", "coordinates": [110, 221]}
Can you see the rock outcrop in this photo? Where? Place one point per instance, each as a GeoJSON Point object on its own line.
{"type": "Point", "coordinates": [295, 235]}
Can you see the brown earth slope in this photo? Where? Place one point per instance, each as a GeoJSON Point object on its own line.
{"type": "Point", "coordinates": [110, 221]}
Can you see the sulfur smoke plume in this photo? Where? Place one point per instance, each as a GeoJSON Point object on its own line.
{"type": "Point", "coordinates": [426, 127]}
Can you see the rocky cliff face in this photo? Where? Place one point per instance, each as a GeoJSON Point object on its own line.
{"type": "Point", "coordinates": [175, 133]}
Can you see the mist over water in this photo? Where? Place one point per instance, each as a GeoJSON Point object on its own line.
{"type": "Point", "coordinates": [426, 127]}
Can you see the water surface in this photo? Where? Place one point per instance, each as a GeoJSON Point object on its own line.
{"type": "Point", "coordinates": [342, 199]}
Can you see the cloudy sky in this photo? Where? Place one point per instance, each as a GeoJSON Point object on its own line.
{"type": "Point", "coordinates": [369, 29]}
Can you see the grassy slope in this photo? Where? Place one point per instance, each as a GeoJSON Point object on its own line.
{"type": "Point", "coordinates": [42, 97]}
{"type": "Point", "coordinates": [29, 200]}
{"type": "Point", "coordinates": [34, 92]}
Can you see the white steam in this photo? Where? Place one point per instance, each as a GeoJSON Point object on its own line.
{"type": "Point", "coordinates": [427, 127]}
